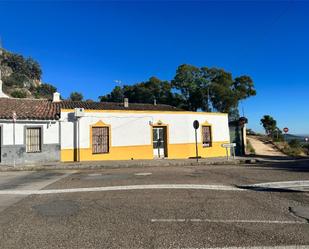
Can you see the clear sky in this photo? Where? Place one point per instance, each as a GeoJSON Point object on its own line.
{"type": "Point", "coordinates": [85, 46]}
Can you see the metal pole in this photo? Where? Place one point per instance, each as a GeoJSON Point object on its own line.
{"type": "Point", "coordinates": [159, 144]}
{"type": "Point", "coordinates": [196, 147]}
{"type": "Point", "coordinates": [14, 163]}
{"type": "Point", "coordinates": [233, 152]}
{"type": "Point", "coordinates": [78, 143]}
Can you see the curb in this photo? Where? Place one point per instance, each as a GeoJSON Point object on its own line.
{"type": "Point", "coordinates": [116, 164]}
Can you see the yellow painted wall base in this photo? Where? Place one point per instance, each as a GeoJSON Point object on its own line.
{"type": "Point", "coordinates": [174, 151]}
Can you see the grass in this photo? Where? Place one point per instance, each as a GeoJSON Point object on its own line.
{"type": "Point", "coordinates": [249, 148]}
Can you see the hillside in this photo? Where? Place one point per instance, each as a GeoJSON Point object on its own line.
{"type": "Point", "coordinates": [22, 77]}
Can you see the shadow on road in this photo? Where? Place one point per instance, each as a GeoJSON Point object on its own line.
{"type": "Point", "coordinates": [263, 189]}
{"type": "Point", "coordinates": [293, 164]}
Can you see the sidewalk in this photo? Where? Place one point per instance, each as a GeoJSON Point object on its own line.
{"type": "Point", "coordinates": [123, 164]}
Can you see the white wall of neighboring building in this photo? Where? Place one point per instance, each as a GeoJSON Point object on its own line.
{"type": "Point", "coordinates": [50, 132]}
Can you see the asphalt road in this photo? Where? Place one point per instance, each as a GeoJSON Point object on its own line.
{"type": "Point", "coordinates": [156, 217]}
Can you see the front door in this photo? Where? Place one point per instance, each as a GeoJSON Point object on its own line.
{"type": "Point", "coordinates": [159, 142]}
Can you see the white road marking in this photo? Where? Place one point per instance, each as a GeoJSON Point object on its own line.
{"type": "Point", "coordinates": [115, 188]}
{"type": "Point", "coordinates": [231, 221]}
{"type": "Point", "coordinates": [262, 247]}
{"type": "Point", "coordinates": [143, 174]}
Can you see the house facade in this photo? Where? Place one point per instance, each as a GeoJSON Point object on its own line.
{"type": "Point", "coordinates": [140, 134]}
{"type": "Point", "coordinates": [39, 131]}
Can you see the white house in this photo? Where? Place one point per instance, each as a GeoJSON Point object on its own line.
{"type": "Point", "coordinates": [34, 131]}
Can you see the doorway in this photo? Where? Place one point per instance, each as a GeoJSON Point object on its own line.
{"type": "Point", "coordinates": [159, 142]}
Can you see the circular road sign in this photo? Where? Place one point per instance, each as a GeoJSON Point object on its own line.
{"type": "Point", "coordinates": [286, 130]}
{"type": "Point", "coordinates": [196, 124]}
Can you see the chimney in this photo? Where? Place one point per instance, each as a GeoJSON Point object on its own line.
{"type": "Point", "coordinates": [56, 97]}
{"type": "Point", "coordinates": [154, 102]}
{"type": "Point", "coordinates": [126, 102]}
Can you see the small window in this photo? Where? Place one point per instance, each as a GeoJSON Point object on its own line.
{"type": "Point", "coordinates": [33, 140]}
{"type": "Point", "coordinates": [207, 139]}
{"type": "Point", "coordinates": [100, 140]}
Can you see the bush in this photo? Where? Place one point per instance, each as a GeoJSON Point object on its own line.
{"type": "Point", "coordinates": [76, 96]}
{"type": "Point", "coordinates": [44, 91]}
{"type": "Point", "coordinates": [15, 79]}
{"type": "Point", "coordinates": [19, 94]}
{"type": "Point", "coordinates": [294, 143]}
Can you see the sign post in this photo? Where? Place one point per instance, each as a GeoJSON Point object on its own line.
{"type": "Point", "coordinates": [196, 125]}
{"type": "Point", "coordinates": [229, 146]}
{"type": "Point", "coordinates": [286, 130]}
{"type": "Point", "coordinates": [14, 117]}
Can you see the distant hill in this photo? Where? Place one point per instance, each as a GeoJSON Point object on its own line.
{"type": "Point", "coordinates": [22, 77]}
{"type": "Point", "coordinates": [301, 138]}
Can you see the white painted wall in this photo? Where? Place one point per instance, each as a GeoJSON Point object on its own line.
{"type": "Point", "coordinates": [50, 132]}
{"type": "Point", "coordinates": [134, 128]}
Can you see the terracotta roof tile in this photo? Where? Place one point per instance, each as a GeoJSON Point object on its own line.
{"type": "Point", "coordinates": [47, 110]}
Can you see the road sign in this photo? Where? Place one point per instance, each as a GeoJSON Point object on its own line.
{"type": "Point", "coordinates": [232, 145]}
{"type": "Point", "coordinates": [196, 124]}
{"type": "Point", "coordinates": [286, 129]}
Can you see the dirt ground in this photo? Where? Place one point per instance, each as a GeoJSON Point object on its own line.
{"type": "Point", "coordinates": [264, 148]}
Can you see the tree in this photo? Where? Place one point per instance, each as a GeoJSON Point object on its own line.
{"type": "Point", "coordinates": [44, 91]}
{"type": "Point", "coordinates": [19, 64]}
{"type": "Point", "coordinates": [193, 88]}
{"type": "Point", "coordinates": [269, 124]}
{"type": "Point", "coordinates": [188, 80]}
{"type": "Point", "coordinates": [76, 96]}
{"type": "Point", "coordinates": [20, 94]}
{"type": "Point", "coordinates": [145, 92]}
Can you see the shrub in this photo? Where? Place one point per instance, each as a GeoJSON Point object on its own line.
{"type": "Point", "coordinates": [44, 90]}
{"type": "Point", "coordinates": [294, 143]}
{"type": "Point", "coordinates": [15, 79]}
{"type": "Point", "coordinates": [19, 94]}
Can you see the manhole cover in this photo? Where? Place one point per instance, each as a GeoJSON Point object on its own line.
{"type": "Point", "coordinates": [301, 211]}
{"type": "Point", "coordinates": [57, 208]}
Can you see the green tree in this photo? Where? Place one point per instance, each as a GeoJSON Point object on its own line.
{"type": "Point", "coordinates": [44, 91]}
{"type": "Point", "coordinates": [192, 88]}
{"type": "Point", "coordinates": [203, 86]}
{"type": "Point", "coordinates": [145, 92]}
{"type": "Point", "coordinates": [20, 94]}
{"type": "Point", "coordinates": [269, 124]}
{"type": "Point", "coordinates": [76, 96]}
{"type": "Point", "coordinates": [19, 64]}
{"type": "Point", "coordinates": [15, 80]}
{"type": "Point", "coordinates": [188, 81]}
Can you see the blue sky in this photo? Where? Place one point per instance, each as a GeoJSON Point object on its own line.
{"type": "Point", "coordinates": [85, 46]}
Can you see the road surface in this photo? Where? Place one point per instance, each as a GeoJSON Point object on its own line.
{"type": "Point", "coordinates": [156, 207]}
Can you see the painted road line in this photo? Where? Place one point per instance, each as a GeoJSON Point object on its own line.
{"type": "Point", "coordinates": [143, 174]}
{"type": "Point", "coordinates": [260, 247]}
{"type": "Point", "coordinates": [231, 221]}
{"type": "Point", "coordinates": [292, 185]}
{"type": "Point", "coordinates": [119, 188]}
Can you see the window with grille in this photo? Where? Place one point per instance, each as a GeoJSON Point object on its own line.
{"type": "Point", "coordinates": [100, 140]}
{"type": "Point", "coordinates": [206, 132]}
{"type": "Point", "coordinates": [33, 139]}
